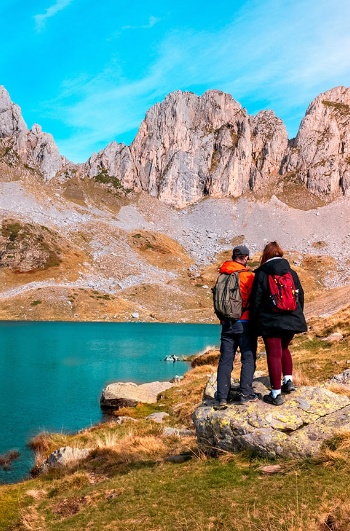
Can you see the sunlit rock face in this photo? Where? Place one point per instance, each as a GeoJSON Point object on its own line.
{"type": "Point", "coordinates": [189, 147]}
{"type": "Point", "coordinates": [269, 139]}
{"type": "Point", "coordinates": [12, 124]}
{"type": "Point", "coordinates": [42, 152]}
{"type": "Point", "coordinates": [113, 161]}
{"type": "Point", "coordinates": [34, 148]}
{"type": "Point", "coordinates": [320, 154]}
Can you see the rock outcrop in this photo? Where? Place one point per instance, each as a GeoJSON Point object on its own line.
{"type": "Point", "coordinates": [189, 147]}
{"type": "Point", "coordinates": [128, 394]}
{"type": "Point", "coordinates": [269, 145]}
{"type": "Point", "coordinates": [320, 154]}
{"type": "Point", "coordinates": [308, 418]}
{"type": "Point", "coordinates": [34, 148]}
{"type": "Point", "coordinates": [41, 152]}
{"type": "Point", "coordinates": [27, 247]}
{"type": "Point", "coordinates": [12, 125]}
{"type": "Point", "coordinates": [63, 457]}
{"type": "Point", "coordinates": [113, 161]}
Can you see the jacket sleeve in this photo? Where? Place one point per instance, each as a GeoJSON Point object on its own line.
{"type": "Point", "coordinates": [299, 287]}
{"type": "Point", "coordinates": [246, 282]}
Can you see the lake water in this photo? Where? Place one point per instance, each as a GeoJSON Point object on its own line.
{"type": "Point", "coordinates": [52, 373]}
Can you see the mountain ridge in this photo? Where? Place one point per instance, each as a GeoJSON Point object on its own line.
{"type": "Point", "coordinates": [190, 147]}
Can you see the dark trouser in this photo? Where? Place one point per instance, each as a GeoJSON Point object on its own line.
{"type": "Point", "coordinates": [279, 358]}
{"type": "Point", "coordinates": [234, 335]}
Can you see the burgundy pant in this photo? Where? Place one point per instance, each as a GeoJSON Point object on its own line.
{"type": "Point", "coordinates": [279, 359]}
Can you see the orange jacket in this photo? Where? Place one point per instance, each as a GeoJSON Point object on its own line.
{"type": "Point", "coordinates": [246, 278]}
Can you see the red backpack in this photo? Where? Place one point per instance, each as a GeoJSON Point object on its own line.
{"type": "Point", "coordinates": [283, 294]}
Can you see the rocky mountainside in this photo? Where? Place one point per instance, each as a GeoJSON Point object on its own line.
{"type": "Point", "coordinates": [101, 240]}
{"type": "Point", "coordinates": [191, 147]}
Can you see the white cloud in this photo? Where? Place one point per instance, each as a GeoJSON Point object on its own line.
{"type": "Point", "coordinates": [40, 20]}
{"type": "Point", "coordinates": [152, 21]}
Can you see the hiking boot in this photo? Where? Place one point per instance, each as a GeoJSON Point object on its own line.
{"type": "Point", "coordinates": [221, 405]}
{"type": "Point", "coordinates": [273, 401]}
{"type": "Point", "coordinates": [287, 387]}
{"type": "Point", "coordinates": [243, 399]}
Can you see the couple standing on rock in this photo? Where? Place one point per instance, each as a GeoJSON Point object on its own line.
{"type": "Point", "coordinates": [259, 318]}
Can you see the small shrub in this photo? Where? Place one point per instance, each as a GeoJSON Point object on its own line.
{"type": "Point", "coordinates": [10, 230]}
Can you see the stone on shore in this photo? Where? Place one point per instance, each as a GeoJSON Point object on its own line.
{"type": "Point", "coordinates": [128, 394]}
{"type": "Point", "coordinates": [63, 457]}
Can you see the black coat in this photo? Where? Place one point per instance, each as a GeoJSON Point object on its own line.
{"type": "Point", "coordinates": [267, 321]}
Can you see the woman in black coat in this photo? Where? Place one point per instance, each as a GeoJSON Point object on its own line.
{"type": "Point", "coordinates": [277, 327]}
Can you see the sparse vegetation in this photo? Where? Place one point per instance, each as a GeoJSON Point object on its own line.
{"type": "Point", "coordinates": [10, 229]}
{"type": "Point", "coordinates": [341, 108]}
{"type": "Point", "coordinates": [320, 244]}
{"type": "Point", "coordinates": [215, 161]}
{"type": "Point", "coordinates": [104, 178]}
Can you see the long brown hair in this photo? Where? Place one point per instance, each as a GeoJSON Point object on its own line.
{"type": "Point", "coordinates": [271, 250]}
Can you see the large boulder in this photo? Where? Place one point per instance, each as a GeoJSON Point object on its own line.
{"type": "Point", "coordinates": [63, 457]}
{"type": "Point", "coordinates": [298, 428]}
{"type": "Point", "coordinates": [128, 394]}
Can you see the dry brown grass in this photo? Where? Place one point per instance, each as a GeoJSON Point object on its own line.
{"type": "Point", "coordinates": [45, 441]}
{"type": "Point", "coordinates": [208, 358]}
{"type": "Point", "coordinates": [159, 250]}
{"type": "Point", "coordinates": [334, 518]}
{"type": "Point", "coordinates": [340, 390]}
{"type": "Point", "coordinates": [300, 378]}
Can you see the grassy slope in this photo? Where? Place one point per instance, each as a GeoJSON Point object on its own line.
{"type": "Point", "coordinates": [127, 483]}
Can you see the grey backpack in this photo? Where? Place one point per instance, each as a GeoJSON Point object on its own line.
{"type": "Point", "coordinates": [227, 296]}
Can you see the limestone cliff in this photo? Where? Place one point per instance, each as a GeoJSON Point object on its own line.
{"type": "Point", "coordinates": [113, 161]}
{"type": "Point", "coordinates": [34, 148]}
{"type": "Point", "coordinates": [269, 145]}
{"type": "Point", "coordinates": [320, 154]}
{"type": "Point", "coordinates": [189, 146]}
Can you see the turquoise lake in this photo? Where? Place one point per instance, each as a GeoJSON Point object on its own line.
{"type": "Point", "coordinates": [52, 373]}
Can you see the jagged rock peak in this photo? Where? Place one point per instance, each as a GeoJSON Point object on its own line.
{"type": "Point", "coordinates": [35, 148]}
{"type": "Point", "coordinates": [113, 161]}
{"type": "Point", "coordinates": [11, 121]}
{"type": "Point", "coordinates": [189, 146]}
{"type": "Point", "coordinates": [42, 152]}
{"type": "Point", "coordinates": [320, 154]}
{"type": "Point", "coordinates": [269, 138]}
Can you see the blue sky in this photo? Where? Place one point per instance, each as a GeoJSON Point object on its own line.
{"type": "Point", "coordinates": [88, 71]}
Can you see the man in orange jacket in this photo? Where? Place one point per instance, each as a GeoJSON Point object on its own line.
{"type": "Point", "coordinates": [236, 334]}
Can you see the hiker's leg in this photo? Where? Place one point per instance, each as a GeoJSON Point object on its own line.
{"type": "Point", "coordinates": [247, 346]}
{"type": "Point", "coordinates": [227, 354]}
{"type": "Point", "coordinates": [287, 362]}
{"type": "Point", "coordinates": [273, 347]}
